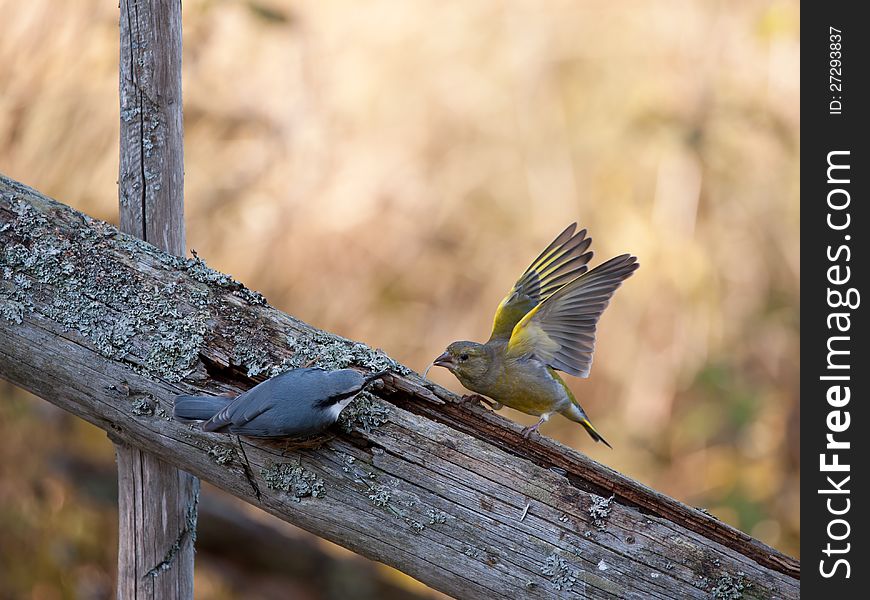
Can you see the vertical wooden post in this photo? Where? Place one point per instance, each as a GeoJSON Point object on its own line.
{"type": "Point", "coordinates": [157, 503]}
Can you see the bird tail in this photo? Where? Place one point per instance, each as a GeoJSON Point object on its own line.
{"type": "Point", "coordinates": [578, 415]}
{"type": "Point", "coordinates": [594, 432]}
{"type": "Point", "coordinates": [199, 408]}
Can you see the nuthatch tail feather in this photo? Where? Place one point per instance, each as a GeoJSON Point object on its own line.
{"type": "Point", "coordinates": [300, 402]}
{"type": "Point", "coordinates": [199, 408]}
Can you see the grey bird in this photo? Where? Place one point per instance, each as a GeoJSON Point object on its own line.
{"type": "Point", "coordinates": [297, 403]}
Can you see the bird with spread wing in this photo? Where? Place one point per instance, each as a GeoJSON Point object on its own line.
{"type": "Point", "coordinates": [545, 324]}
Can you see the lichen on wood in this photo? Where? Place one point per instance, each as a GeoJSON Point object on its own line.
{"type": "Point", "coordinates": [296, 480]}
{"type": "Point", "coordinates": [447, 492]}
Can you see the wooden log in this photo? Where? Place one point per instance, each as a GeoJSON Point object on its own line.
{"type": "Point", "coordinates": [110, 328]}
{"type": "Point", "coordinates": [156, 502]}
{"type": "Point", "coordinates": [254, 552]}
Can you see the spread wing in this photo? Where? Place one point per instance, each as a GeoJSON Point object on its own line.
{"type": "Point", "coordinates": [561, 330]}
{"type": "Point", "coordinates": [561, 262]}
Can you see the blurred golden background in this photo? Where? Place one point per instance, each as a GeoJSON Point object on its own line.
{"type": "Point", "coordinates": [385, 170]}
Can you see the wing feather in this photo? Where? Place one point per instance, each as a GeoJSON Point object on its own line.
{"type": "Point", "coordinates": [563, 261]}
{"type": "Point", "coordinates": [560, 330]}
{"type": "Point", "coordinates": [240, 411]}
{"type": "Point", "coordinates": [251, 404]}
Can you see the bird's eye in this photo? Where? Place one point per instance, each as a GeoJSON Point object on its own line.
{"type": "Point", "coordinates": [463, 357]}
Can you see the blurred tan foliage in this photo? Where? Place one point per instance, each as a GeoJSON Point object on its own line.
{"type": "Point", "coordinates": [386, 169]}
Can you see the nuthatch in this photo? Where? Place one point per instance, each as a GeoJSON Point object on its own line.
{"type": "Point", "coordinates": [301, 402]}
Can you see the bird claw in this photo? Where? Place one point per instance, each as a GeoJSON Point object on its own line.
{"type": "Point", "coordinates": [482, 400]}
{"type": "Point", "coordinates": [527, 431]}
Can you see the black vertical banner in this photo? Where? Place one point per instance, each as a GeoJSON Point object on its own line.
{"type": "Point", "coordinates": [835, 358]}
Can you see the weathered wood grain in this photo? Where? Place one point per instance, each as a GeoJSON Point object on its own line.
{"type": "Point", "coordinates": [449, 493]}
{"type": "Point", "coordinates": [156, 502]}
{"type": "Point", "coordinates": [151, 166]}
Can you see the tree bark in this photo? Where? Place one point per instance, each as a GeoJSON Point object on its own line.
{"type": "Point", "coordinates": [156, 502]}
{"type": "Point", "coordinates": [110, 328]}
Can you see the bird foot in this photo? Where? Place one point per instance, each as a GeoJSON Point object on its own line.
{"type": "Point", "coordinates": [482, 400]}
{"type": "Point", "coordinates": [472, 398]}
{"type": "Point", "coordinates": [528, 431]}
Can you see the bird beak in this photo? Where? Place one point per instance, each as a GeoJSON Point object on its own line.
{"type": "Point", "coordinates": [445, 360]}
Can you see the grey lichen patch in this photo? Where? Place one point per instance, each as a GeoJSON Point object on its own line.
{"type": "Point", "coordinates": [197, 269]}
{"type": "Point", "coordinates": [365, 412]}
{"type": "Point", "coordinates": [89, 278]}
{"type": "Point", "coordinates": [600, 510]}
{"type": "Point", "coordinates": [417, 526]}
{"type": "Point", "coordinates": [293, 479]}
{"type": "Point", "coordinates": [387, 496]}
{"type": "Point", "coordinates": [14, 303]}
{"type": "Point", "coordinates": [143, 406]}
{"type": "Point", "coordinates": [469, 550]}
{"type": "Point", "coordinates": [11, 310]}
{"type": "Point", "coordinates": [380, 495]}
{"type": "Point", "coordinates": [250, 353]}
{"type": "Point", "coordinates": [436, 517]}
{"type": "Point", "coordinates": [175, 347]}
{"type": "Point", "coordinates": [347, 461]}
{"type": "Point", "coordinates": [253, 346]}
{"type": "Point", "coordinates": [21, 282]}
{"type": "Point", "coordinates": [146, 405]}
{"type": "Point", "coordinates": [560, 572]}
{"type": "Point", "coordinates": [730, 587]}
{"type": "Point", "coordinates": [79, 278]}
{"type": "Point", "coordinates": [222, 455]}
{"type": "Point", "coordinates": [334, 352]}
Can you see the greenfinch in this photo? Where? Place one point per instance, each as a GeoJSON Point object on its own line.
{"type": "Point", "coordinates": [545, 324]}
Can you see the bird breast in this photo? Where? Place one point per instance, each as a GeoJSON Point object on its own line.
{"type": "Point", "coordinates": [527, 385]}
{"type": "Point", "coordinates": [334, 410]}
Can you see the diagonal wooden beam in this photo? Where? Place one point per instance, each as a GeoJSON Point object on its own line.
{"type": "Point", "coordinates": [110, 328]}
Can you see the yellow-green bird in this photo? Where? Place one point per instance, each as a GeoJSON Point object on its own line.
{"type": "Point", "coordinates": [545, 324]}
